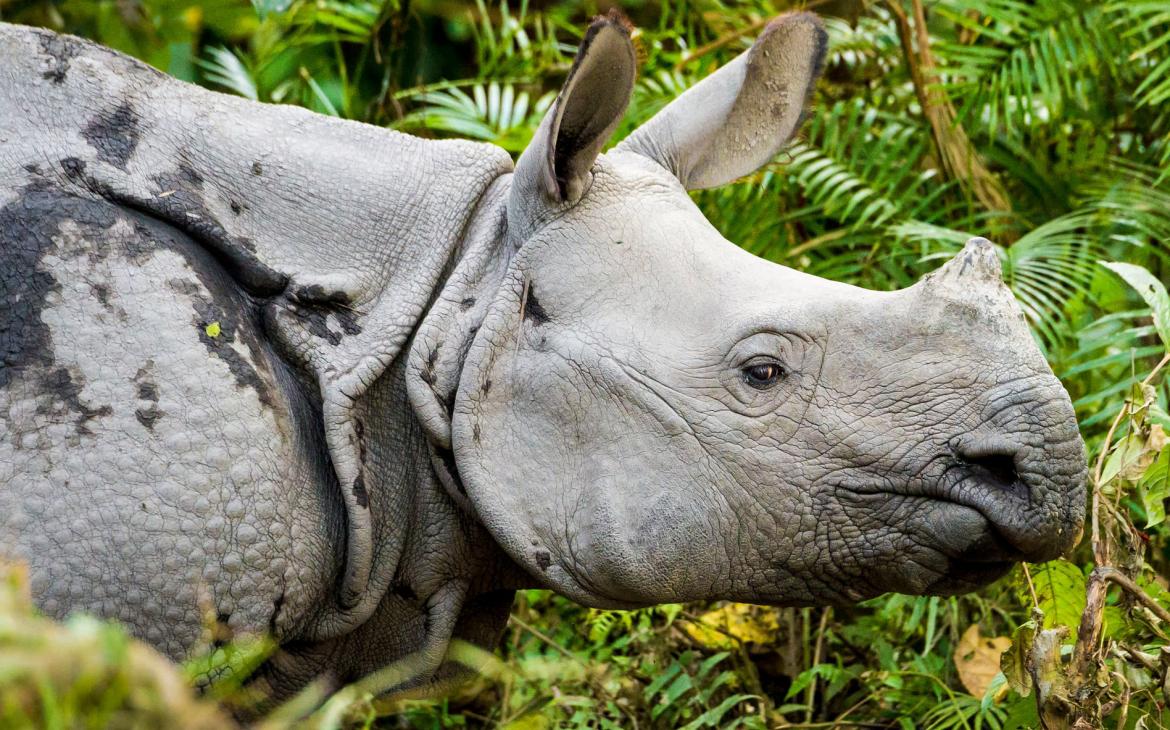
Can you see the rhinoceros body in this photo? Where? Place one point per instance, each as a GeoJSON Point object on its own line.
{"type": "Point", "coordinates": [311, 378]}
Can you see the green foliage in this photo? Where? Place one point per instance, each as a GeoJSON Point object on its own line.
{"type": "Point", "coordinates": [1060, 592]}
{"type": "Point", "coordinates": [1064, 104]}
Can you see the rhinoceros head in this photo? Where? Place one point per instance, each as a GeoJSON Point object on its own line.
{"type": "Point", "coordinates": [648, 413]}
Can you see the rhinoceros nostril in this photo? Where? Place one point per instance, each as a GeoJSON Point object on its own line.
{"type": "Point", "coordinates": [991, 460]}
{"type": "Point", "coordinates": [996, 468]}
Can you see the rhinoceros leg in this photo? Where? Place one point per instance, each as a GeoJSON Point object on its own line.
{"type": "Point", "coordinates": [157, 459]}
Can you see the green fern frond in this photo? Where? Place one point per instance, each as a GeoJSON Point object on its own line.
{"type": "Point", "coordinates": [225, 69]}
{"type": "Point", "coordinates": [492, 112]}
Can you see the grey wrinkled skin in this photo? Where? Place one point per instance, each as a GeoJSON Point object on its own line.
{"type": "Point", "coordinates": [351, 388]}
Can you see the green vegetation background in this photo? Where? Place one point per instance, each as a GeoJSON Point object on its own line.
{"type": "Point", "coordinates": [1042, 125]}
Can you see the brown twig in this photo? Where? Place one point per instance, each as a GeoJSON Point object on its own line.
{"type": "Point", "coordinates": [546, 639]}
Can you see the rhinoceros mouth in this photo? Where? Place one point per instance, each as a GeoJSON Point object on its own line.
{"type": "Point", "coordinates": [949, 546]}
{"type": "Point", "coordinates": [970, 550]}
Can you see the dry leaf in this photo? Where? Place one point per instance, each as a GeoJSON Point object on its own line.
{"type": "Point", "coordinates": [1157, 440]}
{"type": "Point", "coordinates": [977, 659]}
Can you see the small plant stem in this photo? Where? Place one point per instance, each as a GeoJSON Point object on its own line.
{"type": "Point", "coordinates": [546, 639]}
{"type": "Point", "coordinates": [811, 693]}
{"type": "Point", "coordinates": [1031, 585]}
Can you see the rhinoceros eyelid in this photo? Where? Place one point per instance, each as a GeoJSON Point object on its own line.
{"type": "Point", "coordinates": [778, 347]}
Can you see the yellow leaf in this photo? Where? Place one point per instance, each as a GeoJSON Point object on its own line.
{"type": "Point", "coordinates": [212, 329]}
{"type": "Point", "coordinates": [977, 659]}
{"type": "Point", "coordinates": [734, 623]}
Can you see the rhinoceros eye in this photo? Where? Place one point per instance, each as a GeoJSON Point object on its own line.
{"type": "Point", "coordinates": [763, 375]}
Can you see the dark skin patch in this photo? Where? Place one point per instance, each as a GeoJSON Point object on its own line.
{"type": "Point", "coordinates": [542, 558]}
{"type": "Point", "coordinates": [317, 294]}
{"type": "Point", "coordinates": [359, 430]}
{"type": "Point", "coordinates": [74, 169]}
{"type": "Point", "coordinates": [359, 492]}
{"type": "Point", "coordinates": [222, 632]}
{"type": "Point", "coordinates": [101, 292]}
{"type": "Point", "coordinates": [207, 312]}
{"type": "Point", "coordinates": [148, 416]}
{"type": "Point", "coordinates": [189, 174]}
{"type": "Point", "coordinates": [147, 391]}
{"type": "Point", "coordinates": [533, 311]}
{"type": "Point", "coordinates": [317, 323]}
{"type": "Point", "coordinates": [178, 203]}
{"type": "Point", "coordinates": [66, 392]}
{"type": "Point", "coordinates": [60, 50]}
{"type": "Point", "coordinates": [183, 207]}
{"type": "Point", "coordinates": [114, 134]}
{"type": "Point", "coordinates": [428, 372]}
{"type": "Point", "coordinates": [467, 303]}
{"type": "Point", "coordinates": [28, 225]}
{"type": "Point", "coordinates": [313, 304]}
{"type": "Point", "coordinates": [348, 322]}
{"type": "Point", "coordinates": [257, 169]}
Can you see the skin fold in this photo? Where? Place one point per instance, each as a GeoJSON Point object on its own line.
{"type": "Point", "coordinates": [352, 389]}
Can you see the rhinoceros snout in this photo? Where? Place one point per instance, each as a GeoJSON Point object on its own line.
{"type": "Point", "coordinates": [1029, 486]}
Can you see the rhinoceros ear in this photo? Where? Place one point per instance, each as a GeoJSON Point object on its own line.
{"type": "Point", "coordinates": [734, 121]}
{"type": "Point", "coordinates": [580, 122]}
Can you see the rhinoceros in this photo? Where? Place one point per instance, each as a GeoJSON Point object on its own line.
{"type": "Point", "coordinates": [351, 388]}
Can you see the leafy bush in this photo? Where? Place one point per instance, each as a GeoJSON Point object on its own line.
{"type": "Point", "coordinates": [1041, 125]}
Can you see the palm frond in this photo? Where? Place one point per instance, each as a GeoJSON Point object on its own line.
{"type": "Point", "coordinates": [492, 112]}
{"type": "Point", "coordinates": [225, 69]}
